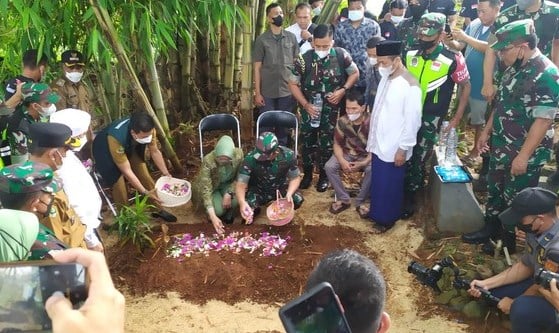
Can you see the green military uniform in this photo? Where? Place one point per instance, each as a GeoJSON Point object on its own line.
{"type": "Point", "coordinates": [215, 180]}
{"type": "Point", "coordinates": [22, 235]}
{"type": "Point", "coordinates": [264, 176]}
{"type": "Point", "coordinates": [525, 93]}
{"type": "Point", "coordinates": [546, 23]}
{"type": "Point", "coordinates": [437, 74]}
{"type": "Point", "coordinates": [15, 134]}
{"type": "Point", "coordinates": [320, 76]}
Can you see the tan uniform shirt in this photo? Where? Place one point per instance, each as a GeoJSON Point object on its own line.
{"type": "Point", "coordinates": [64, 222]}
{"type": "Point", "coordinates": [72, 95]}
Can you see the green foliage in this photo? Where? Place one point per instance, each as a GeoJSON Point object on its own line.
{"type": "Point", "coordinates": [133, 224]}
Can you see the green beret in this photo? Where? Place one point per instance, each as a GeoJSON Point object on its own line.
{"type": "Point", "coordinates": [27, 177]}
{"type": "Point", "coordinates": [431, 24]}
{"type": "Point", "coordinates": [38, 92]}
{"type": "Point", "coordinates": [513, 33]}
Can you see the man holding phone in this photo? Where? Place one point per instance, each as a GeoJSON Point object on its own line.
{"type": "Point", "coordinates": [359, 286]}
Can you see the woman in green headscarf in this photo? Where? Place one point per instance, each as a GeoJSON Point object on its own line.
{"type": "Point", "coordinates": [213, 188]}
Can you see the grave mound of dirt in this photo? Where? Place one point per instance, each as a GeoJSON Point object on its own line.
{"type": "Point", "coordinates": [227, 276]}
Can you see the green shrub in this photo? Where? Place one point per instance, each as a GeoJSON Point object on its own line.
{"type": "Point", "coordinates": [133, 224]}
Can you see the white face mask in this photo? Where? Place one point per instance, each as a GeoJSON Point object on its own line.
{"type": "Point", "coordinates": [355, 15]}
{"type": "Point", "coordinates": [372, 61]}
{"type": "Point", "coordinates": [74, 76]}
{"type": "Point", "coordinates": [322, 54]}
{"type": "Point", "coordinates": [316, 11]}
{"type": "Point", "coordinates": [46, 112]}
{"type": "Point", "coordinates": [354, 116]}
{"type": "Point", "coordinates": [145, 140]}
{"type": "Point", "coordinates": [386, 71]}
{"type": "Point", "coordinates": [396, 19]}
{"type": "Point", "coordinates": [56, 165]}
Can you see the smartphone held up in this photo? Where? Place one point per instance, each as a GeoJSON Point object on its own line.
{"type": "Point", "coordinates": [25, 287]}
{"type": "Point", "coordinates": [318, 310]}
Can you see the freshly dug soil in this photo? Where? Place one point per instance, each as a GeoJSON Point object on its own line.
{"type": "Point", "coordinates": [227, 276]}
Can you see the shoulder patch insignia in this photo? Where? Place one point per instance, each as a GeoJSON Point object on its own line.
{"type": "Point", "coordinates": [120, 150]}
{"type": "Point", "coordinates": [60, 82]}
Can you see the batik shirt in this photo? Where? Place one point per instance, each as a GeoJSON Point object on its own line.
{"type": "Point", "coordinates": [354, 40]}
{"type": "Point", "coordinates": [525, 94]}
{"type": "Point", "coordinates": [353, 138]}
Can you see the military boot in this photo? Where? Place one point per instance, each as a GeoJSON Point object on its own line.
{"type": "Point", "coordinates": [323, 183]}
{"type": "Point", "coordinates": [307, 178]}
{"type": "Point", "coordinates": [408, 208]}
{"type": "Point", "coordinates": [491, 229]}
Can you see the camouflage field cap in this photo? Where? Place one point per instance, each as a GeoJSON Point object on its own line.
{"type": "Point", "coordinates": [266, 145]}
{"type": "Point", "coordinates": [513, 33]}
{"type": "Point", "coordinates": [431, 24]}
{"type": "Point", "coordinates": [38, 92]}
{"type": "Point", "coordinates": [27, 177]}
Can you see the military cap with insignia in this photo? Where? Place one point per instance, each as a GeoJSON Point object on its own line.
{"type": "Point", "coordinates": [266, 144]}
{"type": "Point", "coordinates": [51, 135]}
{"type": "Point", "coordinates": [431, 24]}
{"type": "Point", "coordinates": [33, 92]}
{"type": "Point", "coordinates": [514, 33]}
{"type": "Point", "coordinates": [27, 177]}
{"type": "Point", "coordinates": [72, 58]}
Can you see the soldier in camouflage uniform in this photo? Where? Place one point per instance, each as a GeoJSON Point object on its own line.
{"type": "Point", "coordinates": [438, 69]}
{"type": "Point", "coordinates": [407, 29]}
{"type": "Point", "coordinates": [330, 72]}
{"type": "Point", "coordinates": [266, 169]}
{"type": "Point", "coordinates": [546, 22]}
{"type": "Point", "coordinates": [29, 187]}
{"type": "Point", "coordinates": [520, 124]}
{"type": "Point", "coordinates": [38, 104]}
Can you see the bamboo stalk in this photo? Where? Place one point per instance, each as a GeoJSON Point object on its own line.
{"type": "Point", "coordinates": [155, 89]}
{"type": "Point", "coordinates": [246, 81]}
{"type": "Point", "coordinates": [328, 11]}
{"type": "Point", "coordinates": [214, 81]}
{"type": "Point", "coordinates": [108, 29]}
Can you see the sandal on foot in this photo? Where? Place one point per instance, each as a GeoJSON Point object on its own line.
{"type": "Point", "coordinates": [168, 217]}
{"type": "Point", "coordinates": [381, 229]}
{"type": "Point", "coordinates": [362, 211]}
{"type": "Point", "coordinates": [342, 206]}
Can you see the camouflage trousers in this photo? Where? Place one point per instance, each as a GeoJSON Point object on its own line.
{"type": "Point", "coordinates": [317, 143]}
{"type": "Point", "coordinates": [422, 152]}
{"type": "Point", "coordinates": [257, 196]}
{"type": "Point", "coordinates": [502, 187]}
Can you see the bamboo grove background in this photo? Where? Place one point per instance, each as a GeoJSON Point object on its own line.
{"type": "Point", "coordinates": [179, 60]}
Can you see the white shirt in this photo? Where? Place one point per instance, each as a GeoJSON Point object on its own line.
{"type": "Point", "coordinates": [296, 30]}
{"type": "Point", "coordinates": [395, 118]}
{"type": "Point", "coordinates": [82, 194]}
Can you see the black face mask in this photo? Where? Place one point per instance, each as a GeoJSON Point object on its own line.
{"type": "Point", "coordinates": [426, 45]}
{"type": "Point", "coordinates": [417, 11]}
{"type": "Point", "coordinates": [277, 21]}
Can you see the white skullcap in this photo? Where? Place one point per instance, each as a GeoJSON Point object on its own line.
{"type": "Point", "coordinates": [77, 120]}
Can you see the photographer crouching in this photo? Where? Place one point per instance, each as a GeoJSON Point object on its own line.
{"type": "Point", "coordinates": [533, 212]}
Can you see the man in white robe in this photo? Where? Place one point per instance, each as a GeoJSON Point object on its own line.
{"type": "Point", "coordinates": [395, 120]}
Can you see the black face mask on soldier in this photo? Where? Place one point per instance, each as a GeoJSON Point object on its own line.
{"type": "Point", "coordinates": [277, 21]}
{"type": "Point", "coordinates": [426, 45]}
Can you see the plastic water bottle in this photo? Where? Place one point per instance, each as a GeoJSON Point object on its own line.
{"type": "Point", "coordinates": [317, 104]}
{"type": "Point", "coordinates": [443, 137]}
{"type": "Point", "coordinates": [451, 143]}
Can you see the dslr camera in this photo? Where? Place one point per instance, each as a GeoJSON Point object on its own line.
{"type": "Point", "coordinates": [544, 277]}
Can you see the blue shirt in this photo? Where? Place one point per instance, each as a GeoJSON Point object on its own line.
{"type": "Point", "coordinates": [474, 58]}
{"type": "Point", "coordinates": [354, 40]}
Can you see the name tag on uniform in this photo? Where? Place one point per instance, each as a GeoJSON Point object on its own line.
{"type": "Point", "coordinates": [435, 66]}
